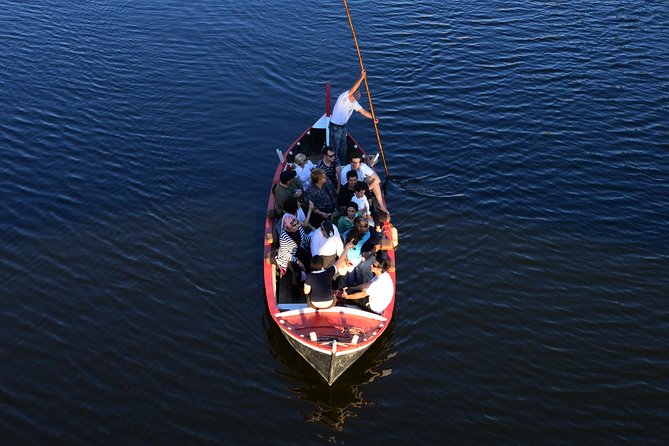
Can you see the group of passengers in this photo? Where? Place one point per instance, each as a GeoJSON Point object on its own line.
{"type": "Point", "coordinates": [329, 247]}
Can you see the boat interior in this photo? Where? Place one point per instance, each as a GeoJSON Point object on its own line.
{"type": "Point", "coordinates": [311, 143]}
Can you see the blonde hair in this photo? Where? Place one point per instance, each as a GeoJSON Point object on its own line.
{"type": "Point", "coordinates": [317, 174]}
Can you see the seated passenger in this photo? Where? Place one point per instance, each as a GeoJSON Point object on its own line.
{"type": "Point", "coordinates": [318, 284]}
{"type": "Point", "coordinates": [360, 198]}
{"type": "Point", "coordinates": [346, 221]}
{"type": "Point", "coordinates": [347, 190]}
{"type": "Point", "coordinates": [287, 187]}
{"type": "Point", "coordinates": [331, 166]}
{"type": "Point", "coordinates": [327, 244]}
{"type": "Point", "coordinates": [291, 258]}
{"type": "Point", "coordinates": [375, 295]}
{"type": "Point", "coordinates": [321, 192]}
{"type": "Point", "coordinates": [292, 207]}
{"type": "Point", "coordinates": [366, 174]}
{"type": "Point", "coordinates": [303, 167]}
{"type": "Point", "coordinates": [361, 255]}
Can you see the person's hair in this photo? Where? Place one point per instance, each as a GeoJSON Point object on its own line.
{"type": "Point", "coordinates": [351, 174]}
{"type": "Point", "coordinates": [356, 154]}
{"type": "Point", "coordinates": [352, 204]}
{"type": "Point", "coordinates": [359, 219]}
{"type": "Point", "coordinates": [290, 206]}
{"type": "Point", "coordinates": [355, 234]}
{"type": "Point", "coordinates": [316, 175]}
{"type": "Point", "coordinates": [300, 157]}
{"type": "Point", "coordinates": [327, 149]}
{"type": "Point", "coordinates": [384, 264]}
{"type": "Point", "coordinates": [360, 185]}
{"type": "Point", "coordinates": [316, 263]}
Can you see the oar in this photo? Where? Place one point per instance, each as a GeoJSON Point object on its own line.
{"type": "Point", "coordinates": [369, 95]}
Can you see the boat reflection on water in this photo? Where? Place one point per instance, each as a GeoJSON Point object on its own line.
{"type": "Point", "coordinates": [333, 404]}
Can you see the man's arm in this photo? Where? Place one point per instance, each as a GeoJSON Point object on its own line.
{"type": "Point", "coordinates": [356, 85]}
{"type": "Point", "coordinates": [354, 296]}
{"type": "Point", "coordinates": [367, 114]}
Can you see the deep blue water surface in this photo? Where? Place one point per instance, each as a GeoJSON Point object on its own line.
{"type": "Point", "coordinates": [529, 148]}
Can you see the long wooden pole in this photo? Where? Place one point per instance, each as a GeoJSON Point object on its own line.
{"type": "Point", "coordinates": [369, 95]}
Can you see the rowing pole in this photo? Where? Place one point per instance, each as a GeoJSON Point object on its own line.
{"type": "Point", "coordinates": [369, 95]}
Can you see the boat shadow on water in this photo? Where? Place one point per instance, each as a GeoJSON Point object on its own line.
{"type": "Point", "coordinates": [336, 403]}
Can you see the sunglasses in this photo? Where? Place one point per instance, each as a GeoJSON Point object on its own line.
{"type": "Point", "coordinates": [376, 265]}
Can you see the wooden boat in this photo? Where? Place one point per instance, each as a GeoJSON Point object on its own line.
{"type": "Point", "coordinates": [332, 339]}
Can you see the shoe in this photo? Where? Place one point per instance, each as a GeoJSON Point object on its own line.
{"type": "Point", "coordinates": [373, 160]}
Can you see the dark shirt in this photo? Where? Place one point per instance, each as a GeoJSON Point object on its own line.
{"type": "Point", "coordinates": [321, 285]}
{"type": "Point", "coordinates": [331, 171]}
{"type": "Point", "coordinates": [345, 195]}
{"type": "Point", "coordinates": [323, 198]}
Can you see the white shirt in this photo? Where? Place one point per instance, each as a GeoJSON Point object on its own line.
{"type": "Point", "coordinates": [326, 246]}
{"type": "Point", "coordinates": [343, 109]}
{"type": "Point", "coordinates": [304, 173]}
{"type": "Point", "coordinates": [364, 171]}
{"type": "Point", "coordinates": [380, 292]}
{"type": "Point", "coordinates": [363, 204]}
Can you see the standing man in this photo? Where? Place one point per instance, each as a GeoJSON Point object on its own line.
{"type": "Point", "coordinates": [346, 103]}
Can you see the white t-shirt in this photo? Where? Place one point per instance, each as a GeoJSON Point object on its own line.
{"type": "Point", "coordinates": [343, 109]}
{"type": "Point", "coordinates": [364, 171]}
{"type": "Point", "coordinates": [326, 246]}
{"type": "Point", "coordinates": [363, 204]}
{"type": "Point", "coordinates": [380, 292]}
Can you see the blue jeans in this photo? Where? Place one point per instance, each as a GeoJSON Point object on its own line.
{"type": "Point", "coordinates": [338, 142]}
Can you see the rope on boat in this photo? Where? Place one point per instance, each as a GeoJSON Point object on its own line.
{"type": "Point", "coordinates": [369, 95]}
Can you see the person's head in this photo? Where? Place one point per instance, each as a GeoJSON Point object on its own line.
{"type": "Point", "coordinates": [291, 205]}
{"type": "Point", "coordinates": [360, 189]}
{"type": "Point", "coordinates": [328, 154]}
{"type": "Point", "coordinates": [318, 176]}
{"type": "Point", "coordinates": [356, 94]}
{"type": "Point", "coordinates": [327, 229]}
{"type": "Point", "coordinates": [380, 266]}
{"type": "Point", "coordinates": [300, 159]}
{"type": "Point", "coordinates": [287, 176]}
{"type": "Point", "coordinates": [290, 224]}
{"type": "Point", "coordinates": [351, 209]}
{"type": "Point", "coordinates": [361, 224]}
{"type": "Point", "coordinates": [351, 178]}
{"type": "Point", "coordinates": [316, 263]}
{"type": "Point", "coordinates": [356, 160]}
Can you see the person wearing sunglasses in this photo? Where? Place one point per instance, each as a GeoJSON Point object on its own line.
{"type": "Point", "coordinates": [303, 167]}
{"type": "Point", "coordinates": [376, 294]}
{"type": "Point", "coordinates": [365, 244]}
{"type": "Point", "coordinates": [291, 258]}
{"type": "Point", "coordinates": [331, 165]}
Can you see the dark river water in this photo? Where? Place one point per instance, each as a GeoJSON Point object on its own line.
{"type": "Point", "coordinates": [528, 144]}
